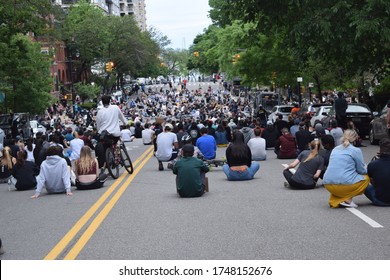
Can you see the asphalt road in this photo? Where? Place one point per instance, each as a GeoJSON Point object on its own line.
{"type": "Point", "coordinates": [140, 217]}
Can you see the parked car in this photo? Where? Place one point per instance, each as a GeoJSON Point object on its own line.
{"type": "Point", "coordinates": [359, 113]}
{"type": "Point", "coordinates": [312, 108]}
{"type": "Point", "coordinates": [378, 127]}
{"type": "Point", "coordinates": [283, 110]}
{"type": "Point", "coordinates": [22, 121]}
{"type": "Point", "coordinates": [320, 114]}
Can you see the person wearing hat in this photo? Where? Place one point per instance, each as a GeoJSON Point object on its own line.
{"type": "Point", "coordinates": [167, 146]}
{"type": "Point", "coordinates": [378, 171]}
{"type": "Point", "coordinates": [190, 171]}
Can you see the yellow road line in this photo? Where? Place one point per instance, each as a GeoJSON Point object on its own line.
{"type": "Point", "coordinates": [53, 254]}
{"type": "Point", "coordinates": [73, 253]}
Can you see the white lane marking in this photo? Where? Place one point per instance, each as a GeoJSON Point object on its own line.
{"type": "Point", "coordinates": [365, 218]}
{"type": "Point", "coordinates": [354, 211]}
{"type": "Point", "coordinates": [292, 170]}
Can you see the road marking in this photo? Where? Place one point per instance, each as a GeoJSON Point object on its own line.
{"type": "Point", "coordinates": [54, 253]}
{"type": "Point", "coordinates": [354, 211]}
{"type": "Point", "coordinates": [74, 252]}
{"type": "Point", "coordinates": [365, 218]}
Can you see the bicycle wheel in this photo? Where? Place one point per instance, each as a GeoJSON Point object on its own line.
{"type": "Point", "coordinates": [113, 168]}
{"type": "Point", "coordinates": [125, 159]}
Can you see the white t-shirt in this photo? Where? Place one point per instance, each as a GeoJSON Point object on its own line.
{"type": "Point", "coordinates": [75, 146]}
{"type": "Point", "coordinates": [257, 147]}
{"type": "Point", "coordinates": [165, 142]}
{"type": "Point", "coordinates": [30, 154]}
{"type": "Point", "coordinates": [108, 118]}
{"type": "Point", "coordinates": [126, 135]}
{"type": "Point", "coordinates": [147, 135]}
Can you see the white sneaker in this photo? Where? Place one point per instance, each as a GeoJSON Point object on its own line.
{"type": "Point", "coordinates": [351, 205]}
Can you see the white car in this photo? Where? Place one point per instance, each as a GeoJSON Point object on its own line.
{"type": "Point", "coordinates": [320, 114]}
{"type": "Point", "coordinates": [277, 110]}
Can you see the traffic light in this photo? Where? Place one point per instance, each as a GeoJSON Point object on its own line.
{"type": "Point", "coordinates": [236, 57]}
{"type": "Point", "coordinates": [196, 53]}
{"type": "Point", "coordinates": [110, 66]}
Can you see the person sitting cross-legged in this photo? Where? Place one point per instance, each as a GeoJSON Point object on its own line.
{"type": "Point", "coordinates": [190, 171]}
{"type": "Point", "coordinates": [239, 160]}
{"type": "Point", "coordinates": [54, 174]}
{"type": "Point", "coordinates": [308, 171]}
{"type": "Point", "coordinates": [87, 171]}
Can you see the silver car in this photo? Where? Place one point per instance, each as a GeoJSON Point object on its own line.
{"type": "Point", "coordinates": [277, 110]}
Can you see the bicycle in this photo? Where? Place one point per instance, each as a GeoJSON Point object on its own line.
{"type": "Point", "coordinates": [116, 155]}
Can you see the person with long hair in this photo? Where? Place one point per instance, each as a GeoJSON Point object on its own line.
{"type": "Point", "coordinates": [239, 164]}
{"type": "Point", "coordinates": [308, 171]}
{"type": "Point", "coordinates": [6, 164]}
{"type": "Point", "coordinates": [87, 171]}
{"type": "Point", "coordinates": [25, 172]}
{"type": "Point", "coordinates": [346, 175]}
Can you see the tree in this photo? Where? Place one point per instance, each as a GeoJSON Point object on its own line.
{"type": "Point", "coordinates": [27, 79]}
{"type": "Point", "coordinates": [24, 71]}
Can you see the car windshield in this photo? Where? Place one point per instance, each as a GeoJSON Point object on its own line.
{"type": "Point", "coordinates": [357, 109]}
{"type": "Point", "coordinates": [285, 109]}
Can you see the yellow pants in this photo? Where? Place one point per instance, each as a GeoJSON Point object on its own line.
{"type": "Point", "coordinates": [340, 193]}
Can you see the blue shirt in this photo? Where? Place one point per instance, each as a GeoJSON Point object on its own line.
{"type": "Point", "coordinates": [346, 166]}
{"type": "Point", "coordinates": [207, 146]}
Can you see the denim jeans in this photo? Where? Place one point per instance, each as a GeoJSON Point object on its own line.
{"type": "Point", "coordinates": [241, 175]}
{"type": "Point", "coordinates": [370, 193]}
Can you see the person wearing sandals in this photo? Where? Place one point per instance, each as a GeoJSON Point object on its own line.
{"type": "Point", "coordinates": [346, 175]}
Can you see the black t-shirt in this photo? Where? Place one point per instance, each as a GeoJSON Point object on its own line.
{"type": "Point", "coordinates": [378, 170]}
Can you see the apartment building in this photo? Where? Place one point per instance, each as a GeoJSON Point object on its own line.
{"type": "Point", "coordinates": [135, 8]}
{"type": "Point", "coordinates": [110, 7]}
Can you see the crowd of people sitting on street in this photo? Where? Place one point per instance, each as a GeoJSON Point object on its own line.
{"type": "Point", "coordinates": [186, 128]}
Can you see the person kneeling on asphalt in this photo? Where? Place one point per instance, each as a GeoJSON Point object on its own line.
{"type": "Point", "coordinates": [54, 173]}
{"type": "Point", "coordinates": [378, 171]}
{"type": "Point", "coordinates": [190, 171]}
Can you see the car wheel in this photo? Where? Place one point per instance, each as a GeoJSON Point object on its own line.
{"type": "Point", "coordinates": [371, 137]}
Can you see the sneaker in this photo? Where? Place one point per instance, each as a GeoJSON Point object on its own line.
{"type": "Point", "coordinates": [170, 166]}
{"type": "Point", "coordinates": [160, 166]}
{"type": "Point", "coordinates": [286, 185]}
{"type": "Point", "coordinates": [351, 205]}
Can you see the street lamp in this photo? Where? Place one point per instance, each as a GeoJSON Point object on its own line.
{"type": "Point", "coordinates": [299, 80]}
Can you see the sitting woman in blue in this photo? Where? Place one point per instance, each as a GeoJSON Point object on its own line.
{"type": "Point", "coordinates": [220, 136]}
{"type": "Point", "coordinates": [239, 165]}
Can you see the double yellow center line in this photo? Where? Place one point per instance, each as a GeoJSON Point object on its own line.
{"type": "Point", "coordinates": [94, 225]}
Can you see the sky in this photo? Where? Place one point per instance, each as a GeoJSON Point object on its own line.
{"type": "Point", "coordinates": [179, 20]}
